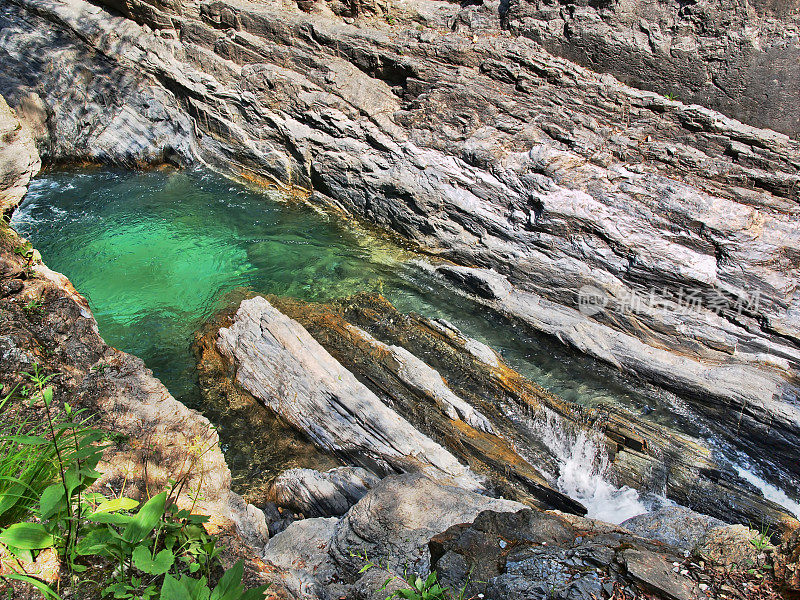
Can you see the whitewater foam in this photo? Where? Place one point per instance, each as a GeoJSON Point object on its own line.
{"type": "Point", "coordinates": [770, 492]}
{"type": "Point", "coordinates": [584, 471]}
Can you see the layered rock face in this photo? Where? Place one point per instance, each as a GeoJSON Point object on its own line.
{"type": "Point", "coordinates": [561, 185]}
{"type": "Point", "coordinates": [740, 58]}
{"type": "Point", "coordinates": [400, 393]}
{"type": "Point", "coordinates": [19, 160]}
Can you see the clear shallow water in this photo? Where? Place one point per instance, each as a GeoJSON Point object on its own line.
{"type": "Point", "coordinates": [155, 254]}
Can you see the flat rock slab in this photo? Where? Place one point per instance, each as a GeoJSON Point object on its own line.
{"type": "Point", "coordinates": [655, 573]}
{"type": "Point", "coordinates": [279, 362]}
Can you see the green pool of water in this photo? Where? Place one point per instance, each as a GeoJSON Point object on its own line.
{"type": "Point", "coordinates": [157, 253]}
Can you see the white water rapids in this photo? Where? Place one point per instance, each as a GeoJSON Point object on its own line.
{"type": "Point", "coordinates": [584, 471]}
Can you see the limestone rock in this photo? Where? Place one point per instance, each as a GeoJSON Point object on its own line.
{"type": "Point", "coordinates": [19, 160]}
{"type": "Point", "coordinates": [722, 54]}
{"type": "Point", "coordinates": [364, 333]}
{"type": "Point", "coordinates": [421, 377]}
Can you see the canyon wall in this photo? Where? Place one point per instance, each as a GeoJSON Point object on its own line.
{"type": "Point", "coordinates": [740, 57]}
{"type": "Point", "coordinates": [656, 236]}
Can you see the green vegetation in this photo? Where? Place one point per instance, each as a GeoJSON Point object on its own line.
{"type": "Point", "coordinates": [104, 543]}
{"type": "Point", "coordinates": [32, 307]}
{"type": "Point", "coordinates": [763, 540]}
{"type": "Point", "coordinates": [26, 251]}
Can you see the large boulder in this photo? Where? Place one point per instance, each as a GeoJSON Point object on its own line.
{"type": "Point", "coordinates": [675, 525]}
{"type": "Point", "coordinates": [393, 523]}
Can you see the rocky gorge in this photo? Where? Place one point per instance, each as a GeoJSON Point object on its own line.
{"type": "Point", "coordinates": [657, 237]}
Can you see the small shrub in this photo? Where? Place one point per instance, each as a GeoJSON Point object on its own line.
{"type": "Point", "coordinates": [763, 540]}
{"type": "Point", "coordinates": [420, 587]}
{"type": "Point", "coordinates": [32, 307]}
{"type": "Point", "coordinates": [25, 251]}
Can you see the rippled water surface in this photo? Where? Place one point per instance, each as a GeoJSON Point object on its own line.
{"type": "Point", "coordinates": [156, 252]}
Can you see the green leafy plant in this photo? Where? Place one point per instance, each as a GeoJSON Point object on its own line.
{"type": "Point", "coordinates": [26, 251]}
{"type": "Point", "coordinates": [420, 587]}
{"type": "Point", "coordinates": [27, 467]}
{"type": "Point", "coordinates": [150, 552]}
{"type": "Point", "coordinates": [763, 540]}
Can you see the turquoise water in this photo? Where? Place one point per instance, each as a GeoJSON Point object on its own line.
{"type": "Point", "coordinates": [156, 254]}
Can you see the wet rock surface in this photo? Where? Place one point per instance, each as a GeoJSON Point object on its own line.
{"type": "Point", "coordinates": [479, 146]}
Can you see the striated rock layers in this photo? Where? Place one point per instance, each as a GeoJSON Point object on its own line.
{"type": "Point", "coordinates": [740, 58]}
{"type": "Point", "coordinates": [555, 185]}
{"type": "Point", "coordinates": [350, 376]}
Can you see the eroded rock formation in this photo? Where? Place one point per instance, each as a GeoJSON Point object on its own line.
{"type": "Point", "coordinates": [363, 356]}
{"type": "Point", "coordinates": [430, 119]}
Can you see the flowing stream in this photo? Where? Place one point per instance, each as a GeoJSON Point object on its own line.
{"type": "Point", "coordinates": [156, 252]}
